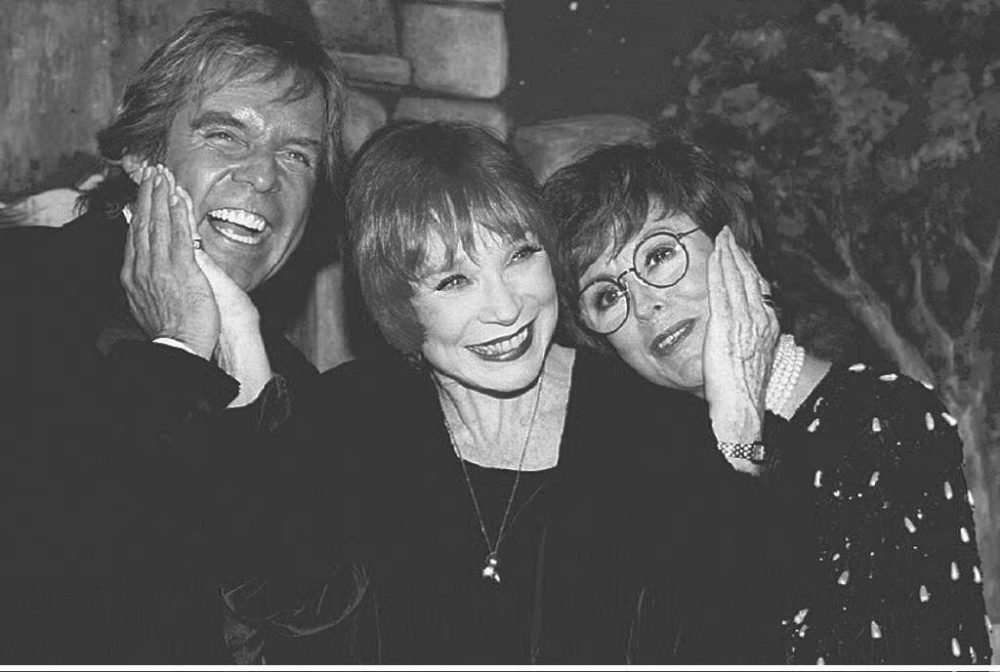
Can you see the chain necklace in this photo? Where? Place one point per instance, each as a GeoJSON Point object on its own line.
{"type": "Point", "coordinates": [491, 567]}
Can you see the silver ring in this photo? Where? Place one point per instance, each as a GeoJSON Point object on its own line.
{"type": "Point", "coordinates": [768, 299]}
{"type": "Point", "coordinates": [198, 244]}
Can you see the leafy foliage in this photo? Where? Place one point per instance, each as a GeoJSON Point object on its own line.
{"type": "Point", "coordinates": [874, 129]}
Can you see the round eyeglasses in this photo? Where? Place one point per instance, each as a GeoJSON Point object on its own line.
{"type": "Point", "coordinates": [659, 260]}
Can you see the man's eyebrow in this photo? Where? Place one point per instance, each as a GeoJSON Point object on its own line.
{"type": "Point", "coordinates": [216, 118]}
{"type": "Point", "coordinates": [307, 141]}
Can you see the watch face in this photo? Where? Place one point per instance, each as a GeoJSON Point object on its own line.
{"type": "Point", "coordinates": [758, 453]}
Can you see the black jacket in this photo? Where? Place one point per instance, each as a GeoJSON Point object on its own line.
{"type": "Point", "coordinates": [642, 545]}
{"type": "Point", "coordinates": [121, 501]}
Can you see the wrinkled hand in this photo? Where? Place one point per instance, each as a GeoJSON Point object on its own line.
{"type": "Point", "coordinates": [168, 294]}
{"type": "Point", "coordinates": [240, 350]}
{"type": "Point", "coordinates": [236, 310]}
{"type": "Point", "coordinates": [742, 332]}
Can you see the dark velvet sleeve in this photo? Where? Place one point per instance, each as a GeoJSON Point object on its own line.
{"type": "Point", "coordinates": [313, 604]}
{"type": "Point", "coordinates": [729, 562]}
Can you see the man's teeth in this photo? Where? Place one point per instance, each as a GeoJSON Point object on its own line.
{"type": "Point", "coordinates": [500, 347]}
{"type": "Point", "coordinates": [247, 220]}
{"type": "Point", "coordinates": [232, 235]}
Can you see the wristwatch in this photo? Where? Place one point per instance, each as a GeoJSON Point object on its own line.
{"type": "Point", "coordinates": [756, 451]}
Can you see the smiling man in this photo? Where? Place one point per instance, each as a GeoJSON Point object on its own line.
{"type": "Point", "coordinates": [118, 355]}
{"type": "Point", "coordinates": [250, 161]}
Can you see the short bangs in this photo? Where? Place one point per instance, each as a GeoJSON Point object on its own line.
{"type": "Point", "coordinates": [604, 200]}
{"type": "Point", "coordinates": [413, 181]}
{"type": "Point", "coordinates": [436, 205]}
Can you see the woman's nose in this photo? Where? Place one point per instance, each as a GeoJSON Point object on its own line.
{"type": "Point", "coordinates": [647, 301]}
{"type": "Point", "coordinates": [503, 303]}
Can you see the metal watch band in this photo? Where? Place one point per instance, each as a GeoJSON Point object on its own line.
{"type": "Point", "coordinates": [756, 452]}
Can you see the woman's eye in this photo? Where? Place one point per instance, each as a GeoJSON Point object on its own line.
{"type": "Point", "coordinates": [525, 251]}
{"type": "Point", "coordinates": [660, 254]}
{"type": "Point", "coordinates": [607, 298]}
{"type": "Point", "coordinates": [451, 282]}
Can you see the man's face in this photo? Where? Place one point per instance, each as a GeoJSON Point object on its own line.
{"type": "Point", "coordinates": [250, 164]}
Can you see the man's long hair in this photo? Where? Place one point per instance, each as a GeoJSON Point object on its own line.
{"type": "Point", "coordinates": [208, 52]}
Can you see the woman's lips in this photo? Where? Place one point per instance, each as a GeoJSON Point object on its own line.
{"type": "Point", "coordinates": [507, 348]}
{"type": "Point", "coordinates": [667, 341]}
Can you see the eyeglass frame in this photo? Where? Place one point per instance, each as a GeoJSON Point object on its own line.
{"type": "Point", "coordinates": [617, 282]}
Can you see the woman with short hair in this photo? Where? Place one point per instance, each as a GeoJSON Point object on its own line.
{"type": "Point", "coordinates": [896, 579]}
{"type": "Point", "coordinates": [501, 498]}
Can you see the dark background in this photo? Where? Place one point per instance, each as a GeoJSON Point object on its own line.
{"type": "Point", "coordinates": [597, 56]}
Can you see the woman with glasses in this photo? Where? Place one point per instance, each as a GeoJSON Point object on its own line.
{"type": "Point", "coordinates": [487, 496]}
{"type": "Point", "coordinates": [652, 242]}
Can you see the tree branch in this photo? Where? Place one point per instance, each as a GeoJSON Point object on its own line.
{"type": "Point", "coordinates": [941, 341]}
{"type": "Point", "coordinates": [985, 263]}
{"type": "Point", "coordinates": [866, 305]}
{"type": "Point", "coordinates": [842, 287]}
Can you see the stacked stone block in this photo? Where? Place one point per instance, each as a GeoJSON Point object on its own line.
{"type": "Point", "coordinates": [418, 60]}
{"type": "Point", "coordinates": [65, 61]}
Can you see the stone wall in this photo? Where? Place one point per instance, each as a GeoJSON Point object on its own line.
{"type": "Point", "coordinates": [418, 60]}
{"type": "Point", "coordinates": [440, 59]}
{"type": "Point", "coordinates": [62, 65]}
{"type": "Point", "coordinates": [64, 62]}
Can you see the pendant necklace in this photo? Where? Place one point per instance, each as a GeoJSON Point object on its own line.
{"type": "Point", "coordinates": [491, 566]}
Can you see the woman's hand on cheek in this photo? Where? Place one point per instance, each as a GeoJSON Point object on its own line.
{"type": "Point", "coordinates": [739, 345]}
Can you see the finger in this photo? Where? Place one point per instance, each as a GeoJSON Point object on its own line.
{"type": "Point", "coordinates": [141, 212]}
{"type": "Point", "coordinates": [133, 167]}
{"type": "Point", "coordinates": [189, 210]}
{"type": "Point", "coordinates": [751, 277]}
{"type": "Point", "coordinates": [223, 288]}
{"type": "Point", "coordinates": [160, 222]}
{"type": "Point", "coordinates": [717, 307]}
{"type": "Point", "coordinates": [206, 263]}
{"type": "Point", "coordinates": [128, 262]}
{"type": "Point", "coordinates": [753, 284]}
{"type": "Point", "coordinates": [139, 229]}
{"type": "Point", "coordinates": [179, 242]}
{"type": "Point", "coordinates": [735, 286]}
{"type": "Point", "coordinates": [210, 270]}
{"type": "Point", "coordinates": [181, 247]}
{"type": "Point", "coordinates": [168, 175]}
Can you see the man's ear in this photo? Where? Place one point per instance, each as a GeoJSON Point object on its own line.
{"type": "Point", "coordinates": [133, 166]}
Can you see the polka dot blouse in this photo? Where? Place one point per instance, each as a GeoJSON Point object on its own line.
{"type": "Point", "coordinates": [895, 575]}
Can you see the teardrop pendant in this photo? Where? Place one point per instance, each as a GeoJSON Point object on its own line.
{"type": "Point", "coordinates": [490, 571]}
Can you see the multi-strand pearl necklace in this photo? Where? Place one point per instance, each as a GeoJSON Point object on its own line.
{"type": "Point", "coordinates": [785, 371]}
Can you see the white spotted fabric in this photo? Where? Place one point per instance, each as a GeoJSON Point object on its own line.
{"type": "Point", "coordinates": [897, 578]}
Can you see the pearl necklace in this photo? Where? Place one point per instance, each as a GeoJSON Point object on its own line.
{"type": "Point", "coordinates": [785, 372]}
